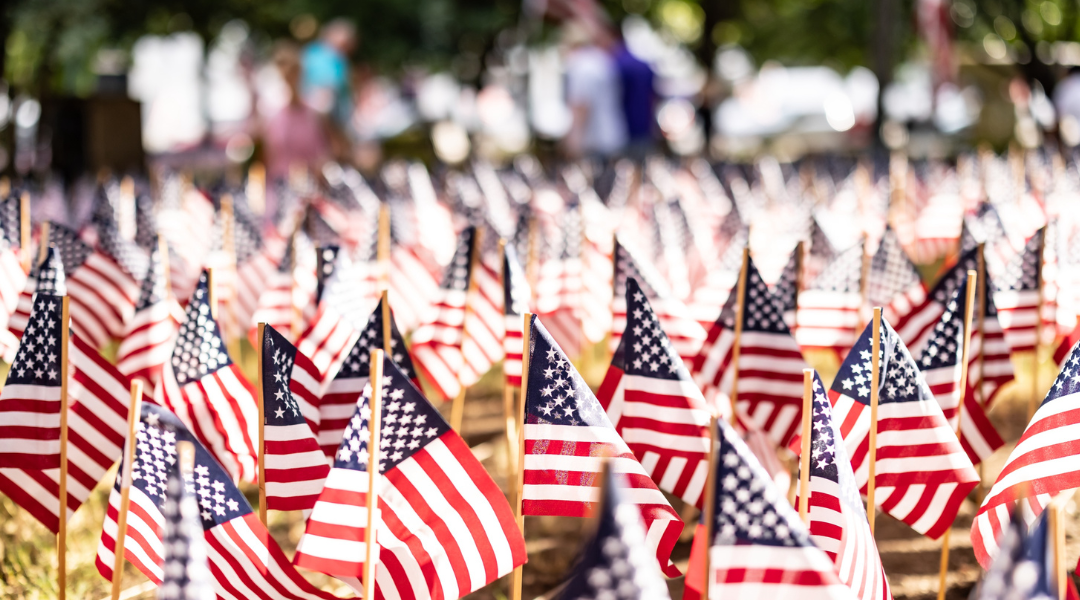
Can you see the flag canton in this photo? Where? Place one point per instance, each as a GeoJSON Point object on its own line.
{"type": "Point", "coordinates": [279, 356]}
{"type": "Point", "coordinates": [371, 338]}
{"type": "Point", "coordinates": [515, 287]}
{"type": "Point", "coordinates": [557, 395]}
{"type": "Point", "coordinates": [956, 277]}
{"type": "Point", "coordinates": [944, 346]}
{"type": "Point", "coordinates": [456, 276]}
{"type": "Point", "coordinates": [572, 230]}
{"type": "Point", "coordinates": [131, 258]}
{"type": "Point", "coordinates": [10, 219]}
{"type": "Point", "coordinates": [1068, 380]}
{"type": "Point", "coordinates": [326, 267]}
{"type": "Point", "coordinates": [891, 272]}
{"type": "Point", "coordinates": [153, 288]}
{"type": "Point", "coordinates": [199, 349]}
{"type": "Point", "coordinates": [749, 508]}
{"type": "Point", "coordinates": [820, 246]}
{"type": "Point", "coordinates": [899, 378]}
{"type": "Point", "coordinates": [627, 266]}
{"type": "Point", "coordinates": [246, 237]}
{"type": "Point", "coordinates": [616, 563]}
{"type": "Point", "coordinates": [731, 259]}
{"type": "Point", "coordinates": [73, 251]}
{"type": "Point", "coordinates": [843, 272]}
{"type": "Point", "coordinates": [648, 350]}
{"type": "Point", "coordinates": [184, 569]}
{"type": "Point", "coordinates": [827, 456]}
{"type": "Point", "coordinates": [49, 274]}
{"type": "Point", "coordinates": [785, 289]}
{"type": "Point", "coordinates": [409, 422]}
{"type": "Point", "coordinates": [156, 436]}
{"type": "Point", "coordinates": [761, 311]}
{"type": "Point", "coordinates": [1022, 272]}
{"type": "Point", "coordinates": [38, 360]}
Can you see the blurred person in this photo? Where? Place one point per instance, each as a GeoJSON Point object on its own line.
{"type": "Point", "coordinates": [594, 92]}
{"type": "Point", "coordinates": [326, 74]}
{"type": "Point", "coordinates": [297, 135]}
{"type": "Point", "coordinates": [638, 101]}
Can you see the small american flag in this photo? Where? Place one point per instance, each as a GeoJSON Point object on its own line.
{"type": "Point", "coordinates": [559, 278]}
{"type": "Point", "coordinates": [654, 404]}
{"type": "Point", "coordinates": [295, 466]}
{"type": "Point", "coordinates": [719, 283]}
{"type": "Point", "coordinates": [146, 344]}
{"type": "Point", "coordinates": [332, 330]}
{"type": "Point", "coordinates": [1041, 465]}
{"type": "Point", "coordinates": [894, 282]}
{"type": "Point", "coordinates": [685, 333]}
{"type": "Point", "coordinates": [1016, 294]}
{"type": "Point", "coordinates": [185, 568]}
{"type": "Point", "coordinates": [1023, 568]}
{"type": "Point", "coordinates": [770, 363]}
{"type": "Point", "coordinates": [208, 392]}
{"type": "Point", "coordinates": [444, 527]}
{"type": "Point", "coordinates": [615, 562]}
{"type": "Point", "coordinates": [244, 559]}
{"type": "Point", "coordinates": [97, 423]}
{"type": "Point", "coordinates": [437, 343]}
{"type": "Point", "coordinates": [516, 299]}
{"type": "Point", "coordinates": [338, 402]}
{"type": "Point", "coordinates": [257, 258]}
{"type": "Point", "coordinates": [485, 323]}
{"type": "Point", "coordinates": [940, 363]}
{"type": "Point", "coordinates": [916, 326]}
{"type": "Point", "coordinates": [828, 316]}
{"type": "Point", "coordinates": [990, 352]}
{"type": "Point", "coordinates": [567, 437]}
{"type": "Point", "coordinates": [288, 302]}
{"type": "Point", "coordinates": [760, 548]}
{"type": "Point", "coordinates": [30, 400]}
{"type": "Point", "coordinates": [838, 523]}
{"type": "Point", "coordinates": [922, 474]}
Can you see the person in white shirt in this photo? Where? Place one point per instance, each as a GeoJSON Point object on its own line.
{"type": "Point", "coordinates": [594, 93]}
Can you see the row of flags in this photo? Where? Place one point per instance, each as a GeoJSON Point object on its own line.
{"type": "Point", "coordinates": [446, 529]}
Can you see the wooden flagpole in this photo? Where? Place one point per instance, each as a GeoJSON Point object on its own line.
{"type": "Point", "coordinates": [969, 309]}
{"type": "Point", "coordinates": [211, 289]}
{"type": "Point", "coordinates": [519, 485]}
{"type": "Point", "coordinates": [875, 360]}
{"type": "Point", "coordinates": [5, 187]}
{"type": "Point", "coordinates": [740, 289]}
{"type": "Point", "coordinates": [804, 458]}
{"type": "Point", "coordinates": [256, 188]}
{"type": "Point", "coordinates": [457, 409]}
{"type": "Point", "coordinates": [374, 458]}
{"type": "Point", "coordinates": [709, 508]}
{"type": "Point", "coordinates": [62, 495]}
{"type": "Point", "coordinates": [126, 209]}
{"type": "Point", "coordinates": [1056, 525]}
{"type": "Point", "coordinates": [1033, 402]}
{"type": "Point", "coordinates": [134, 412]}
{"type": "Point", "coordinates": [24, 231]}
{"type": "Point", "coordinates": [387, 329]}
{"type": "Point", "coordinates": [43, 245]}
{"type": "Point", "coordinates": [382, 246]}
{"type": "Point", "coordinates": [532, 262]}
{"type": "Point", "coordinates": [260, 399]}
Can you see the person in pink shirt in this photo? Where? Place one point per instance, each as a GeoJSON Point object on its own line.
{"type": "Point", "coordinates": [297, 136]}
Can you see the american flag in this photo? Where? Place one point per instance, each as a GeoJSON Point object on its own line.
{"type": "Point", "coordinates": [990, 352]}
{"type": "Point", "coordinates": [257, 258]}
{"type": "Point", "coordinates": [654, 404]}
{"type": "Point", "coordinates": [288, 302]}
{"type": "Point", "coordinates": [485, 323]}
{"type": "Point", "coordinates": [1016, 294]}
{"type": "Point", "coordinates": [185, 568]}
{"type": "Point", "coordinates": [294, 465]}
{"type": "Point", "coordinates": [567, 437]}
{"type": "Point", "coordinates": [786, 291]}
{"type": "Point", "coordinates": [444, 527]}
{"type": "Point", "coordinates": [838, 523]}
{"type": "Point", "coordinates": [760, 548]}
{"type": "Point", "coordinates": [146, 344]}
{"type": "Point", "coordinates": [1040, 466]}
{"type": "Point", "coordinates": [98, 398]}
{"type": "Point", "coordinates": [916, 326]}
{"type": "Point", "coordinates": [828, 316]}
{"type": "Point", "coordinates": [339, 400]}
{"type": "Point", "coordinates": [102, 295]}
{"type": "Point", "coordinates": [685, 333]}
{"type": "Point", "coordinates": [940, 363]}
{"type": "Point", "coordinates": [413, 274]}
{"type": "Point", "coordinates": [437, 343]}
{"type": "Point", "coordinates": [208, 392]}
{"type": "Point", "coordinates": [559, 279]}
{"type": "Point", "coordinates": [516, 299]}
{"type": "Point", "coordinates": [922, 473]}
{"type": "Point", "coordinates": [720, 281]}
{"type": "Point", "coordinates": [30, 400]}
{"type": "Point", "coordinates": [1023, 568]}
{"type": "Point", "coordinates": [332, 331]}
{"type": "Point", "coordinates": [820, 251]}
{"type": "Point", "coordinates": [893, 281]}
{"type": "Point", "coordinates": [770, 363]}
{"type": "Point", "coordinates": [244, 559]}
{"type": "Point", "coordinates": [596, 268]}
{"type": "Point", "coordinates": [615, 562]}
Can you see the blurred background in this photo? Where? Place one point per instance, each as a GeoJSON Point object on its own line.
{"type": "Point", "coordinates": [90, 84]}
